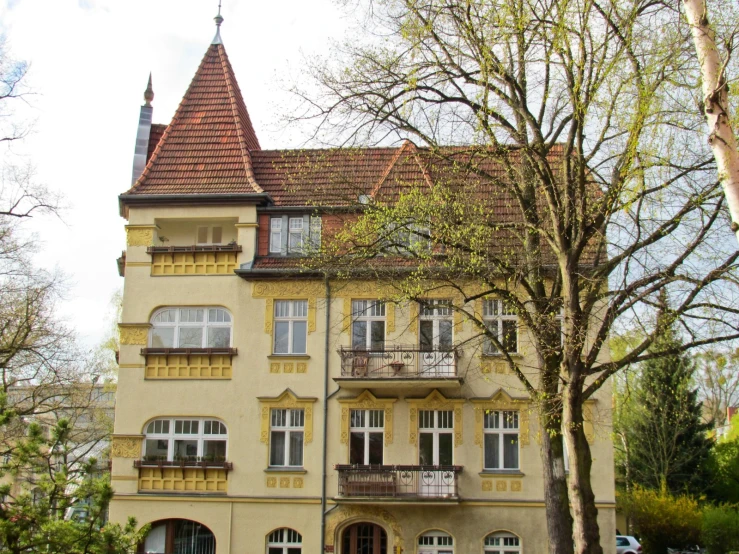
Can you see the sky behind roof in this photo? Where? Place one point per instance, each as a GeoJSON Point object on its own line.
{"type": "Point", "coordinates": [90, 60]}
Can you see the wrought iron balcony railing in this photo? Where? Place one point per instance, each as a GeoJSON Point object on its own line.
{"type": "Point", "coordinates": [399, 482]}
{"type": "Point", "coordinates": [401, 362]}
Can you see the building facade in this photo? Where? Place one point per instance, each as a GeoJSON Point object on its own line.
{"type": "Point", "coordinates": [264, 408]}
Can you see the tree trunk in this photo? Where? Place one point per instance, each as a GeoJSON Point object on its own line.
{"type": "Point", "coordinates": [559, 519]}
{"type": "Point", "coordinates": [716, 105]}
{"type": "Point", "coordinates": [582, 498]}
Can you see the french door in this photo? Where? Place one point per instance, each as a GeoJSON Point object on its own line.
{"type": "Point", "coordinates": [364, 538]}
{"type": "Point", "coordinates": [435, 448]}
{"type": "Point", "coordinates": [436, 338]}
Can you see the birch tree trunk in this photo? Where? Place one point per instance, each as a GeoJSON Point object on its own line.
{"type": "Point", "coordinates": [716, 105]}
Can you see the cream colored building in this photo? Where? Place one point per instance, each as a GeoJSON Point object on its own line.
{"type": "Point", "coordinates": [262, 408]}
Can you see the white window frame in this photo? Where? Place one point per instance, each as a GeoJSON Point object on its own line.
{"type": "Point", "coordinates": [287, 429]}
{"type": "Point", "coordinates": [502, 542]}
{"type": "Point", "coordinates": [177, 325]}
{"type": "Point", "coordinates": [171, 435]}
{"type": "Point", "coordinates": [368, 417]}
{"type": "Point", "coordinates": [369, 311]}
{"type": "Point", "coordinates": [436, 310]}
{"type": "Point", "coordinates": [406, 240]}
{"type": "Point", "coordinates": [294, 234]}
{"type": "Point", "coordinates": [435, 430]}
{"type": "Point", "coordinates": [284, 539]}
{"type": "Point", "coordinates": [297, 311]}
{"type": "Point", "coordinates": [436, 542]}
{"type": "Point", "coordinates": [495, 310]}
{"type": "Point", "coordinates": [503, 429]}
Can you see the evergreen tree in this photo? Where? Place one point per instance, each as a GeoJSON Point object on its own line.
{"type": "Point", "coordinates": [669, 445]}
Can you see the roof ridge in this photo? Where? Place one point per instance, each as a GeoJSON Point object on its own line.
{"type": "Point", "coordinates": [226, 66]}
{"type": "Point", "coordinates": [389, 168]}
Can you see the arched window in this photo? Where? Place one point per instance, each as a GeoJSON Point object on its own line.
{"type": "Point", "coordinates": [284, 541]}
{"type": "Point", "coordinates": [190, 328]}
{"type": "Point", "coordinates": [178, 536]}
{"type": "Point", "coordinates": [435, 542]}
{"type": "Point", "coordinates": [502, 543]}
{"type": "Point", "coordinates": [190, 439]}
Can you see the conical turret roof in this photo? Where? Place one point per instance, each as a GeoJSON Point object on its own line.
{"type": "Point", "coordinates": [206, 148]}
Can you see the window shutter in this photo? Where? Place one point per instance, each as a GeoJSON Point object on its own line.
{"type": "Point", "coordinates": [315, 232]}
{"type": "Point", "coordinates": [285, 234]}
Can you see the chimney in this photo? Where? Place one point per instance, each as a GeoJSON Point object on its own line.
{"type": "Point", "coordinates": [730, 412]}
{"type": "Point", "coordinates": [142, 136]}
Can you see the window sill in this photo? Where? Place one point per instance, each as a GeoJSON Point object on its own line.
{"type": "Point", "coordinates": [291, 356]}
{"type": "Point", "coordinates": [502, 473]}
{"type": "Point", "coordinates": [515, 356]}
{"type": "Point", "coordinates": [286, 470]}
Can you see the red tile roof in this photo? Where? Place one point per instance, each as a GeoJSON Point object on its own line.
{"type": "Point", "coordinates": [206, 148]}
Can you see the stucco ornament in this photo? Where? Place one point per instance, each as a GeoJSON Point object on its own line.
{"type": "Point", "coordinates": [139, 236]}
{"type": "Point", "coordinates": [350, 514]}
{"type": "Point", "coordinates": [128, 446]}
{"type": "Point", "coordinates": [134, 334]}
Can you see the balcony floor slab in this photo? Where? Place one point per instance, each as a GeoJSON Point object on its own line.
{"type": "Point", "coordinates": [396, 382]}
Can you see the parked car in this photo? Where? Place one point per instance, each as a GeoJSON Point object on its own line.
{"type": "Point", "coordinates": [627, 545]}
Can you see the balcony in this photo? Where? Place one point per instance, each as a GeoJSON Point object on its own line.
{"type": "Point", "coordinates": [188, 363]}
{"type": "Point", "coordinates": [191, 475]}
{"type": "Point", "coordinates": [398, 365]}
{"type": "Point", "coordinates": [384, 483]}
{"type": "Point", "coordinates": [217, 259]}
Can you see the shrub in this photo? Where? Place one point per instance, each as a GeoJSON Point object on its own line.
{"type": "Point", "coordinates": [663, 520]}
{"type": "Point", "coordinates": [720, 533]}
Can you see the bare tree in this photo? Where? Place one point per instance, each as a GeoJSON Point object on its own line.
{"type": "Point", "coordinates": [718, 382]}
{"type": "Point", "coordinates": [578, 191]}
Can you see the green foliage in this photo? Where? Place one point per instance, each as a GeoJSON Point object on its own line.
{"type": "Point", "coordinates": [668, 442]}
{"type": "Point", "coordinates": [724, 469]}
{"type": "Point", "coordinates": [720, 530]}
{"type": "Point", "coordinates": [661, 519]}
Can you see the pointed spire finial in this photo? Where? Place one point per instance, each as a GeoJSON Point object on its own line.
{"type": "Point", "coordinates": [148, 93]}
{"type": "Point", "coordinates": [218, 19]}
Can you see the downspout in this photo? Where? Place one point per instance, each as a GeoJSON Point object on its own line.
{"type": "Point", "coordinates": [325, 412]}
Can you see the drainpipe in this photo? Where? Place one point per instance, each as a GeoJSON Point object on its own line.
{"type": "Point", "coordinates": [325, 413]}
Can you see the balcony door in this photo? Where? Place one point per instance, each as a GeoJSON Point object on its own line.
{"type": "Point", "coordinates": [364, 538]}
{"type": "Point", "coordinates": [435, 448]}
{"type": "Point", "coordinates": [436, 336]}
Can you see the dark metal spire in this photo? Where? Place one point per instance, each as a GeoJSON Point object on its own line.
{"type": "Point", "coordinates": [148, 93]}
{"type": "Point", "coordinates": [218, 20]}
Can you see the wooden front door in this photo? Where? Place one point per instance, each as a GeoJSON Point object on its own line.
{"type": "Point", "coordinates": [364, 538]}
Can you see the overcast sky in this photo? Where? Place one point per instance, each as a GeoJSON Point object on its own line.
{"type": "Point", "coordinates": [90, 60]}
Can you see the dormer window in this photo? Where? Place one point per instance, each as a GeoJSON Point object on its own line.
{"type": "Point", "coordinates": [294, 234]}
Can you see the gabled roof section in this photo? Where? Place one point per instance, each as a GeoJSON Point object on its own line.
{"type": "Point", "coordinates": [405, 170]}
{"type": "Point", "coordinates": [206, 148]}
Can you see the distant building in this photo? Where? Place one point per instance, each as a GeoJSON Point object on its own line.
{"type": "Point", "coordinates": [262, 408]}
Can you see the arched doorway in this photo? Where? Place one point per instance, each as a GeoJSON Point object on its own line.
{"type": "Point", "coordinates": [178, 536]}
{"type": "Point", "coordinates": [364, 538]}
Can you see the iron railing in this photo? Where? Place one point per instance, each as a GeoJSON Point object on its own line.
{"type": "Point", "coordinates": [401, 362]}
{"type": "Point", "coordinates": [400, 482]}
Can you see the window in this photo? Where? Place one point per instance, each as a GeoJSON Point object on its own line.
{"type": "Point", "coordinates": [408, 239]}
{"type": "Point", "coordinates": [286, 439]}
{"type": "Point", "coordinates": [501, 320]}
{"type": "Point", "coordinates": [291, 326]}
{"type": "Point", "coordinates": [435, 542]}
{"type": "Point", "coordinates": [436, 325]}
{"type": "Point", "coordinates": [368, 325]}
{"type": "Point", "coordinates": [366, 431]}
{"type": "Point", "coordinates": [284, 541]}
{"type": "Point", "coordinates": [215, 233]}
{"type": "Point", "coordinates": [190, 328]}
{"type": "Point", "coordinates": [190, 439]}
{"type": "Point", "coordinates": [294, 234]}
{"type": "Point", "coordinates": [502, 543]}
{"type": "Point", "coordinates": [435, 437]}
{"type": "Point", "coordinates": [501, 439]}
